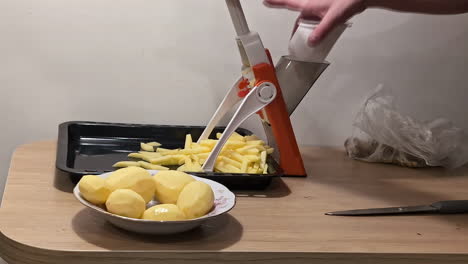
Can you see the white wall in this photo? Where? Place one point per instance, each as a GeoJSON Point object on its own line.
{"type": "Point", "coordinates": [138, 60]}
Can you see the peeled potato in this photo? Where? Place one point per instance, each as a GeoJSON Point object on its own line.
{"type": "Point", "coordinates": [134, 178]}
{"type": "Point", "coordinates": [164, 212]}
{"type": "Point", "coordinates": [169, 184]}
{"type": "Point", "coordinates": [196, 199]}
{"type": "Point", "coordinates": [126, 202]}
{"type": "Point", "coordinates": [94, 189]}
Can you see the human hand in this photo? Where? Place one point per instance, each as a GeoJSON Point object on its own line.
{"type": "Point", "coordinates": [330, 12]}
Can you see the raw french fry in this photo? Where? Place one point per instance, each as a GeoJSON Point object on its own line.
{"type": "Point", "coordinates": [195, 145]}
{"type": "Point", "coordinates": [252, 158]}
{"type": "Point", "coordinates": [270, 150]}
{"type": "Point", "coordinates": [227, 169]}
{"type": "Point", "coordinates": [265, 169]}
{"type": "Point", "coordinates": [263, 156]}
{"type": "Point", "coordinates": [191, 166]}
{"type": "Point", "coordinates": [237, 156]}
{"type": "Point", "coordinates": [199, 150]}
{"type": "Point", "coordinates": [252, 170]}
{"type": "Point", "coordinates": [197, 162]}
{"type": "Point", "coordinates": [192, 151]}
{"type": "Point", "coordinates": [177, 158]}
{"type": "Point", "coordinates": [161, 150]}
{"type": "Point", "coordinates": [244, 150]}
{"type": "Point", "coordinates": [253, 151]}
{"type": "Point", "coordinates": [225, 152]}
{"type": "Point", "coordinates": [135, 155]}
{"type": "Point", "coordinates": [256, 166]}
{"type": "Point", "coordinates": [232, 168]}
{"type": "Point", "coordinates": [168, 160]}
{"type": "Point", "coordinates": [236, 136]}
{"type": "Point", "coordinates": [181, 161]}
{"type": "Point", "coordinates": [260, 147]}
{"type": "Point", "coordinates": [186, 151]}
{"type": "Point", "coordinates": [195, 168]}
{"type": "Point", "coordinates": [240, 158]}
{"type": "Point", "coordinates": [187, 162]}
{"type": "Point", "coordinates": [152, 154]}
{"type": "Point", "coordinates": [170, 152]}
{"type": "Point", "coordinates": [219, 166]}
{"type": "Point", "coordinates": [208, 142]}
{"type": "Point", "coordinates": [250, 138]}
{"type": "Point", "coordinates": [188, 141]}
{"type": "Point", "coordinates": [221, 169]}
{"type": "Point", "coordinates": [234, 144]}
{"type": "Point", "coordinates": [154, 144]}
{"type": "Point", "coordinates": [150, 166]}
{"type": "Point", "coordinates": [256, 142]}
{"type": "Point", "coordinates": [146, 147]}
{"type": "Point", "coordinates": [141, 156]}
{"type": "Point", "coordinates": [203, 155]}
{"type": "Point", "coordinates": [181, 168]}
{"type": "Point", "coordinates": [195, 158]}
{"type": "Point", "coordinates": [243, 169]}
{"type": "Point", "coordinates": [162, 160]}
{"type": "Point", "coordinates": [123, 164]}
{"type": "Point", "coordinates": [231, 162]}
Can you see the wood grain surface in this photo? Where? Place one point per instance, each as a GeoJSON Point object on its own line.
{"type": "Point", "coordinates": [41, 222]}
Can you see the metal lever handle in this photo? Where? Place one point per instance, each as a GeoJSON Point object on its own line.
{"type": "Point", "coordinates": [238, 17]}
{"type": "Point", "coordinates": [258, 97]}
{"type": "Point", "coordinates": [227, 104]}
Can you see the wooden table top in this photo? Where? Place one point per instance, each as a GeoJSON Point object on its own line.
{"type": "Point", "coordinates": [41, 222]}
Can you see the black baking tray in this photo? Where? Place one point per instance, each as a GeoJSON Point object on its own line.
{"type": "Point", "coordinates": [93, 147]}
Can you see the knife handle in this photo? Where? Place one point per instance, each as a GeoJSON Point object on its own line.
{"type": "Point", "coordinates": [452, 207]}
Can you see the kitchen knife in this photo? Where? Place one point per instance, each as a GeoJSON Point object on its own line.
{"type": "Point", "coordinates": [442, 207]}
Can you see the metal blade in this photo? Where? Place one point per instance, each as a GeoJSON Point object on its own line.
{"type": "Point", "coordinates": [387, 211]}
{"type": "Point", "coordinates": [296, 78]}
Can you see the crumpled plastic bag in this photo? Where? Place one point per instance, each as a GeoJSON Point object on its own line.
{"type": "Point", "coordinates": [382, 134]}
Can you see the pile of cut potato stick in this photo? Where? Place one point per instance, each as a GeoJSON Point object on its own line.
{"type": "Point", "coordinates": [240, 154]}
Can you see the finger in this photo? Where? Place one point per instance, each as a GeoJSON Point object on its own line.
{"type": "Point", "coordinates": [289, 4]}
{"type": "Point", "coordinates": [329, 21]}
{"type": "Point", "coordinates": [273, 5]}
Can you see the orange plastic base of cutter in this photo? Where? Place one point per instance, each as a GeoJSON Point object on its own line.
{"type": "Point", "coordinates": [277, 114]}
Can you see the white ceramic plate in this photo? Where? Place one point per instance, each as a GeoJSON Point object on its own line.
{"type": "Point", "coordinates": [224, 202]}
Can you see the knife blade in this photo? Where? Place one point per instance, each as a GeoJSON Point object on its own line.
{"type": "Point", "coordinates": [442, 207]}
